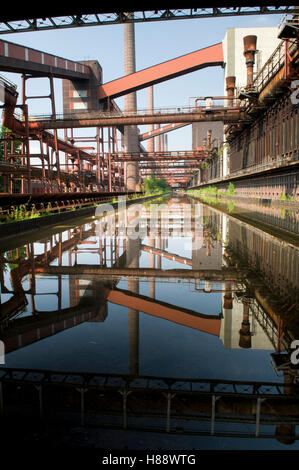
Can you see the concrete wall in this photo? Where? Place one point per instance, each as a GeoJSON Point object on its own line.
{"type": "Point", "coordinates": [82, 95]}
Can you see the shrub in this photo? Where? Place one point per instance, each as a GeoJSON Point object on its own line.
{"type": "Point", "coordinates": [231, 191]}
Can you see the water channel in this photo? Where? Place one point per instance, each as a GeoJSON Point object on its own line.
{"type": "Point", "coordinates": [168, 321]}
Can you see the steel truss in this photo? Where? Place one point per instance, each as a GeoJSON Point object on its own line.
{"type": "Point", "coordinates": [143, 16]}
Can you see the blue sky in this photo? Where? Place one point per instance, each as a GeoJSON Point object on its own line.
{"type": "Point", "coordinates": [155, 43]}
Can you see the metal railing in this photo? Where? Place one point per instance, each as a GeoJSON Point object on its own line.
{"type": "Point", "coordinates": [253, 169]}
{"type": "Point", "coordinates": [278, 161]}
{"type": "Point", "coordinates": [273, 65]}
{"type": "Point", "coordinates": [8, 82]}
{"type": "Point", "coordinates": [286, 19]}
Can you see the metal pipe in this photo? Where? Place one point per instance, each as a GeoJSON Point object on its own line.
{"type": "Point", "coordinates": [230, 89]}
{"type": "Point", "coordinates": [249, 54]}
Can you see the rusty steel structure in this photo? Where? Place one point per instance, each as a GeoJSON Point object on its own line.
{"type": "Point", "coordinates": [94, 163]}
{"type": "Point", "coordinates": [261, 122]}
{"type": "Point", "coordinates": [263, 153]}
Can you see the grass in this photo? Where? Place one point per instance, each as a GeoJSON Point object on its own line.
{"type": "Point", "coordinates": [205, 197]}
{"type": "Point", "coordinates": [230, 191]}
{"type": "Point", "coordinates": [209, 190]}
{"type": "Point", "coordinates": [213, 190]}
{"type": "Point", "coordinates": [20, 213]}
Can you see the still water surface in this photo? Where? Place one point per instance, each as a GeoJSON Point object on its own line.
{"type": "Point", "coordinates": [62, 312]}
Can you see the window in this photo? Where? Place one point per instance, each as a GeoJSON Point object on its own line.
{"type": "Point", "coordinates": [80, 105]}
{"type": "Point", "coordinates": [79, 93]}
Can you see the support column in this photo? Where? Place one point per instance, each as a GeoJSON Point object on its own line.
{"type": "Point", "coordinates": [150, 127]}
{"type": "Point", "coordinates": [158, 140]}
{"type": "Point", "coordinates": [245, 335]}
{"type": "Point", "coordinates": [152, 281]}
{"type": "Point", "coordinates": [132, 253]}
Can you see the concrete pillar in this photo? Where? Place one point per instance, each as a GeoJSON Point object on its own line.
{"type": "Point", "coordinates": [158, 146]}
{"type": "Point", "coordinates": [131, 141]}
{"type": "Point", "coordinates": [165, 143]}
{"type": "Point", "coordinates": [150, 127]}
{"type": "Point", "coordinates": [162, 142]}
{"type": "Point", "coordinates": [132, 255]}
{"type": "Point", "coordinates": [228, 298]}
{"type": "Point", "coordinates": [133, 319]}
{"type": "Point", "coordinates": [151, 243]}
{"type": "Point", "coordinates": [225, 161]}
{"type": "Point", "coordinates": [159, 241]}
{"type": "Point", "coordinates": [245, 335]}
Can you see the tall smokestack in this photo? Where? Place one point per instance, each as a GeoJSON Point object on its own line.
{"type": "Point", "coordinates": [131, 141]}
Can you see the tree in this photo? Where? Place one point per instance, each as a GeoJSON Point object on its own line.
{"type": "Point", "coordinates": [16, 150]}
{"type": "Point", "coordinates": [155, 185]}
{"type": "Point", "coordinates": [17, 145]}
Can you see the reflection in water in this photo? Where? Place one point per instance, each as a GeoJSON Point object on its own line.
{"type": "Point", "coordinates": [179, 313]}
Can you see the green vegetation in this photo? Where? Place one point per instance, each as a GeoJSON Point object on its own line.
{"type": "Point", "coordinates": [211, 195]}
{"type": "Point", "coordinates": [230, 206]}
{"type": "Point", "coordinates": [14, 255]}
{"type": "Point", "coordinates": [154, 185]}
{"type": "Point", "coordinates": [17, 145]}
{"type": "Point", "coordinates": [20, 213]}
{"type": "Point", "coordinates": [231, 191]}
{"type": "Point", "coordinates": [209, 190]}
{"type": "Point", "coordinates": [284, 197]}
{"type": "Point", "coordinates": [15, 149]}
{"type": "Point", "coordinates": [213, 190]}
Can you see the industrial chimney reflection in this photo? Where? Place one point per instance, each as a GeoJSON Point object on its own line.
{"type": "Point", "coordinates": [245, 335]}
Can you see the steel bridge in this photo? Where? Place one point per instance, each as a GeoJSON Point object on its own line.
{"type": "Point", "coordinates": [63, 17]}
